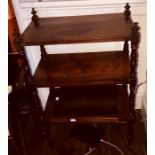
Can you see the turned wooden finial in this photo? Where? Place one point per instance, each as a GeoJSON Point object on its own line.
{"type": "Point", "coordinates": [35, 18]}
{"type": "Point", "coordinates": [127, 11]}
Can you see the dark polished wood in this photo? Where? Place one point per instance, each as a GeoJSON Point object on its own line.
{"type": "Point", "coordinates": [23, 101]}
{"type": "Point", "coordinates": [35, 18]}
{"type": "Point", "coordinates": [87, 81]}
{"type": "Point", "coordinates": [28, 78]}
{"type": "Point", "coordinates": [133, 78]}
{"type": "Point", "coordinates": [82, 69]}
{"type": "Point", "coordinates": [17, 41]}
{"type": "Point", "coordinates": [16, 143]}
{"type": "Point", "coordinates": [126, 48]}
{"type": "Point", "coordinates": [13, 68]}
{"type": "Point", "coordinates": [43, 51]}
{"type": "Point", "coordinates": [12, 147]}
{"type": "Point", "coordinates": [88, 104]}
{"type": "Point", "coordinates": [127, 12]}
{"type": "Point", "coordinates": [78, 29]}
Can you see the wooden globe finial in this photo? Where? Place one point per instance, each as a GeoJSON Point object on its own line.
{"type": "Point", "coordinates": [35, 18]}
{"type": "Point", "coordinates": [127, 11]}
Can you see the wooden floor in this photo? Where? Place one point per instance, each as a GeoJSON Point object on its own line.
{"type": "Point", "coordinates": [65, 144]}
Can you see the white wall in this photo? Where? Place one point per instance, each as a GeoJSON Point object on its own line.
{"type": "Point", "coordinates": [80, 7]}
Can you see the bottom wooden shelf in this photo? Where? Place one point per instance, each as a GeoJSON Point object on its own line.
{"type": "Point", "coordinates": [88, 104]}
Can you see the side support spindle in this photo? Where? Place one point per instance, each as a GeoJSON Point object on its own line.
{"type": "Point", "coordinates": [43, 51]}
{"type": "Point", "coordinates": [135, 39]}
{"type": "Point", "coordinates": [126, 48]}
{"type": "Point", "coordinates": [29, 84]}
{"type": "Point", "coordinates": [126, 54]}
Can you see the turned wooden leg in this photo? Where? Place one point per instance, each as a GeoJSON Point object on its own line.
{"type": "Point", "coordinates": [46, 132]}
{"type": "Point", "coordinates": [130, 133]}
{"type": "Point", "coordinates": [46, 128]}
{"type": "Point", "coordinates": [131, 122]}
{"type": "Point", "coordinates": [135, 38]}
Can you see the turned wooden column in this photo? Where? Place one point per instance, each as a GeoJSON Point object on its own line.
{"type": "Point", "coordinates": [28, 79]}
{"type": "Point", "coordinates": [126, 54]}
{"type": "Point", "coordinates": [135, 38]}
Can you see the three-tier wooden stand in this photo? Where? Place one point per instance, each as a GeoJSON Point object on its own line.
{"type": "Point", "coordinates": [86, 87]}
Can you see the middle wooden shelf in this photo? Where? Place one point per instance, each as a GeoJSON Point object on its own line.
{"type": "Point", "coordinates": [74, 69]}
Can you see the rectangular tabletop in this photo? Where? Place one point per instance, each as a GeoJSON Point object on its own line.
{"type": "Point", "coordinates": [78, 29]}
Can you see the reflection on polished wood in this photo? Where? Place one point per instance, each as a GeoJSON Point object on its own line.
{"type": "Point", "coordinates": [78, 29]}
{"type": "Point", "coordinates": [82, 69]}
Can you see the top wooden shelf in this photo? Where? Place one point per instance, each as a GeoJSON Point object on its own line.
{"type": "Point", "coordinates": [78, 29]}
